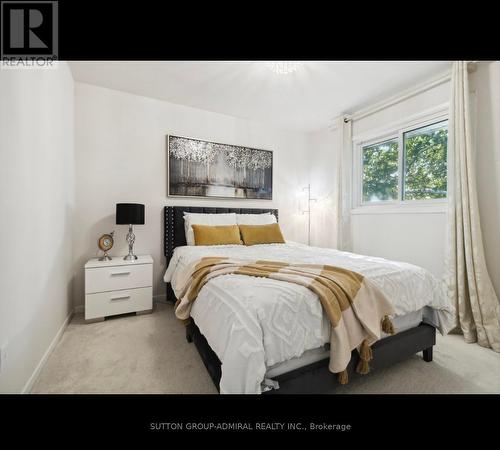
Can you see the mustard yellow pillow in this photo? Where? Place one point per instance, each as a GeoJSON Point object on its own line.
{"type": "Point", "coordinates": [216, 235]}
{"type": "Point", "coordinates": [261, 234]}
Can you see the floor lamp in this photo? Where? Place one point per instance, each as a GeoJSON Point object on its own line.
{"type": "Point", "coordinates": [308, 211]}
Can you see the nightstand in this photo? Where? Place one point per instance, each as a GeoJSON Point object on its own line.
{"type": "Point", "coordinates": [118, 287]}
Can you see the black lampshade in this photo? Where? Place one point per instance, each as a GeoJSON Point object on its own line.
{"type": "Point", "coordinates": [129, 213]}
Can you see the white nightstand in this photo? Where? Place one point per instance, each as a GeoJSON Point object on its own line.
{"type": "Point", "coordinates": [118, 287]}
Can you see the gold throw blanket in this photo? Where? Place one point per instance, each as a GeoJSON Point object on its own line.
{"type": "Point", "coordinates": [357, 310]}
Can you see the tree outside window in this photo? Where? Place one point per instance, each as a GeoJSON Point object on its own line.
{"type": "Point", "coordinates": [423, 172]}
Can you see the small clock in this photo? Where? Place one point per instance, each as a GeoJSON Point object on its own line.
{"type": "Point", "coordinates": [105, 243]}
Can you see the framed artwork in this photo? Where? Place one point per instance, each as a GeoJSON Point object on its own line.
{"type": "Point", "coordinates": [199, 168]}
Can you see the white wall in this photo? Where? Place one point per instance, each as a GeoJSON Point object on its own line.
{"type": "Point", "coordinates": [486, 83]}
{"type": "Point", "coordinates": [417, 238]}
{"type": "Point", "coordinates": [121, 157]}
{"type": "Point", "coordinates": [36, 204]}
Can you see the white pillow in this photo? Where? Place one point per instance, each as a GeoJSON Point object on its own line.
{"type": "Point", "coordinates": [205, 219]}
{"type": "Point", "coordinates": [255, 219]}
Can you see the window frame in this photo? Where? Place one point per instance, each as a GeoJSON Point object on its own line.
{"type": "Point", "coordinates": [396, 132]}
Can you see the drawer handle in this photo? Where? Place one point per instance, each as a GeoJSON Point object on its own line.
{"type": "Point", "coordinates": [120, 273]}
{"type": "Point", "coordinates": [122, 297]}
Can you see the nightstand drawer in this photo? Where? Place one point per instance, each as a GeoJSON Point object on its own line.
{"type": "Point", "coordinates": [114, 278]}
{"type": "Point", "coordinates": [118, 302]}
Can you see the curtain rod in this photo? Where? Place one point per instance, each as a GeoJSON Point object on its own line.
{"type": "Point", "coordinates": [443, 78]}
{"type": "Point", "coordinates": [423, 87]}
{"type": "Point", "coordinates": [372, 109]}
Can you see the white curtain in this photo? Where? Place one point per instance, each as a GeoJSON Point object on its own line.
{"type": "Point", "coordinates": [468, 283]}
{"type": "Point", "coordinates": [344, 180]}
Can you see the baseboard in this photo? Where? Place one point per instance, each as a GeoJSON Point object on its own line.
{"type": "Point", "coordinates": [79, 309]}
{"type": "Point", "coordinates": [31, 381]}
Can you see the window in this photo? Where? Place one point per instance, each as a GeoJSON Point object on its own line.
{"type": "Point", "coordinates": [425, 162]}
{"type": "Point", "coordinates": [409, 165]}
{"type": "Point", "coordinates": [380, 171]}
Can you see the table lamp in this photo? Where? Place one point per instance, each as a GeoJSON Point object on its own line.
{"type": "Point", "coordinates": [130, 214]}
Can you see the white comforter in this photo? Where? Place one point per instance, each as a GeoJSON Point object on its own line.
{"type": "Point", "coordinates": [254, 323]}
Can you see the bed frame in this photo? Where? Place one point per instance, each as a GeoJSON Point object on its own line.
{"type": "Point", "coordinates": [313, 378]}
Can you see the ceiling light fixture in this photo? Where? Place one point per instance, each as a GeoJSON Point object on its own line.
{"type": "Point", "coordinates": [284, 67]}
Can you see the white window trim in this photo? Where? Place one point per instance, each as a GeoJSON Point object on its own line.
{"type": "Point", "coordinates": [395, 130]}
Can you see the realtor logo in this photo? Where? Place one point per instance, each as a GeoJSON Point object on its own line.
{"type": "Point", "coordinates": [29, 32]}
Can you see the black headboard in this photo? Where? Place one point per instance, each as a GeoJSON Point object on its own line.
{"type": "Point", "coordinates": [174, 222]}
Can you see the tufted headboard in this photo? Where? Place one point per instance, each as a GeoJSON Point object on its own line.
{"type": "Point", "coordinates": [174, 222]}
{"type": "Point", "coordinates": [174, 235]}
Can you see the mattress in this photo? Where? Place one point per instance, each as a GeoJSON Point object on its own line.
{"type": "Point", "coordinates": [401, 323]}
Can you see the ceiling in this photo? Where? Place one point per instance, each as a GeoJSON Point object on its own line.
{"type": "Point", "coordinates": [305, 100]}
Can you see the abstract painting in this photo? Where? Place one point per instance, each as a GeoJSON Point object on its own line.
{"type": "Point", "coordinates": [199, 168]}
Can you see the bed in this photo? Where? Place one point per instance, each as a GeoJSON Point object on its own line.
{"type": "Point", "coordinates": [281, 346]}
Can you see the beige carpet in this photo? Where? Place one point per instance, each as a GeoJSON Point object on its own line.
{"type": "Point", "coordinates": [149, 354]}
